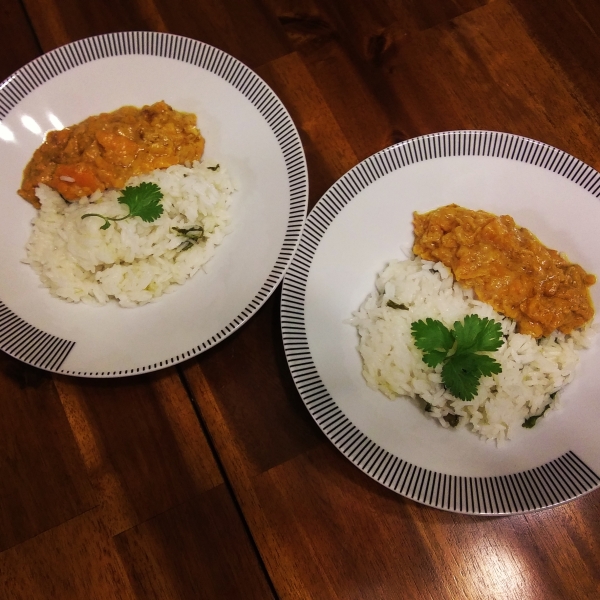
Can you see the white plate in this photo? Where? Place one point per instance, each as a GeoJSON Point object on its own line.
{"type": "Point", "coordinates": [246, 128]}
{"type": "Point", "coordinates": [365, 220]}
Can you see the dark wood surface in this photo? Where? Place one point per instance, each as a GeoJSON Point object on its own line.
{"type": "Point", "coordinates": [210, 479]}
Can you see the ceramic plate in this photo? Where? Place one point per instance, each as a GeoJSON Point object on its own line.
{"type": "Point", "coordinates": [364, 221]}
{"type": "Point", "coordinates": [246, 128]}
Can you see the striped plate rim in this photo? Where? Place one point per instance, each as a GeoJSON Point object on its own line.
{"type": "Point", "coordinates": [46, 351]}
{"type": "Point", "coordinates": [558, 481]}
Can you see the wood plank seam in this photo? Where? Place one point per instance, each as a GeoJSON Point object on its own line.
{"type": "Point", "coordinates": [226, 480]}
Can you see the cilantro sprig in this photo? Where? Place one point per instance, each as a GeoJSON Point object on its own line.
{"type": "Point", "coordinates": [142, 200]}
{"type": "Point", "coordinates": [460, 351]}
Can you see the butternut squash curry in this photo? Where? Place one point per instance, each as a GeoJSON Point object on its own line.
{"type": "Point", "coordinates": [104, 151]}
{"type": "Point", "coordinates": [507, 267]}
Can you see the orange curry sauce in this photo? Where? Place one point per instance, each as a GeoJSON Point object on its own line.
{"type": "Point", "coordinates": [507, 267]}
{"type": "Point", "coordinates": [104, 151]}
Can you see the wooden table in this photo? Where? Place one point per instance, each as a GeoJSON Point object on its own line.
{"type": "Point", "coordinates": [210, 479]}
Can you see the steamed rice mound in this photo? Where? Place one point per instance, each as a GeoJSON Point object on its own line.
{"type": "Point", "coordinates": [532, 373]}
{"type": "Point", "coordinates": [132, 261]}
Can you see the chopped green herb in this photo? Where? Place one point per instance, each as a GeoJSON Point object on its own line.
{"type": "Point", "coordinates": [452, 419]}
{"type": "Point", "coordinates": [529, 422]}
{"type": "Point", "coordinates": [192, 235]}
{"type": "Point", "coordinates": [428, 407]}
{"type": "Point", "coordinates": [143, 201]}
{"type": "Point", "coordinates": [392, 304]}
{"type": "Point", "coordinates": [459, 351]}
{"type": "Point", "coordinates": [215, 168]}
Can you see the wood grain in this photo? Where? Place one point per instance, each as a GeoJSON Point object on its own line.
{"type": "Point", "coordinates": [76, 560]}
{"type": "Point", "coordinates": [265, 422]}
{"type": "Point", "coordinates": [195, 550]}
{"type": "Point", "coordinates": [142, 445]}
{"type": "Point", "coordinates": [490, 73]}
{"type": "Point", "coordinates": [43, 482]}
{"type": "Point", "coordinates": [17, 36]}
{"type": "Point", "coordinates": [328, 153]}
{"type": "Point", "coordinates": [210, 479]}
{"type": "Point", "coordinates": [85, 462]}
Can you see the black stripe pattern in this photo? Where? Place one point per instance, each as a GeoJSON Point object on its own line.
{"type": "Point", "coordinates": [560, 480]}
{"type": "Point", "coordinates": [29, 344]}
{"type": "Point", "coordinates": [206, 57]}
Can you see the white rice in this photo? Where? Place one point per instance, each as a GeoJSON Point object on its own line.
{"type": "Point", "coordinates": [132, 261]}
{"type": "Point", "coordinates": [531, 372]}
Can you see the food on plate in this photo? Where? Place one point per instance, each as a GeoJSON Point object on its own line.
{"type": "Point", "coordinates": [427, 334]}
{"type": "Point", "coordinates": [143, 201]}
{"type": "Point", "coordinates": [507, 267]}
{"type": "Point", "coordinates": [104, 151]}
{"type": "Point", "coordinates": [127, 209]}
{"type": "Point", "coordinates": [131, 245]}
{"type": "Point", "coordinates": [461, 351]}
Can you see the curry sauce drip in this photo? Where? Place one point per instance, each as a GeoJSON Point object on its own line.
{"type": "Point", "coordinates": [507, 267]}
{"type": "Point", "coordinates": [105, 150]}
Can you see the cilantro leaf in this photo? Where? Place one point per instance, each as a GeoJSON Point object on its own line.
{"type": "Point", "coordinates": [466, 334]}
{"type": "Point", "coordinates": [143, 201]}
{"type": "Point", "coordinates": [490, 336]}
{"type": "Point", "coordinates": [475, 334]}
{"type": "Point", "coordinates": [461, 377]}
{"type": "Point", "coordinates": [486, 365]}
{"type": "Point", "coordinates": [434, 357]}
{"type": "Point", "coordinates": [432, 335]}
{"type": "Point", "coordinates": [462, 372]}
{"type": "Point", "coordinates": [463, 368]}
{"type": "Point", "coordinates": [434, 338]}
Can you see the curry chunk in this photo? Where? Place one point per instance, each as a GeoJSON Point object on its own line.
{"type": "Point", "coordinates": [105, 150]}
{"type": "Point", "coordinates": [507, 267]}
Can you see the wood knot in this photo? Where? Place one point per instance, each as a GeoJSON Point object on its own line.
{"type": "Point", "coordinates": [378, 47]}
{"type": "Point", "coordinates": [306, 28]}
